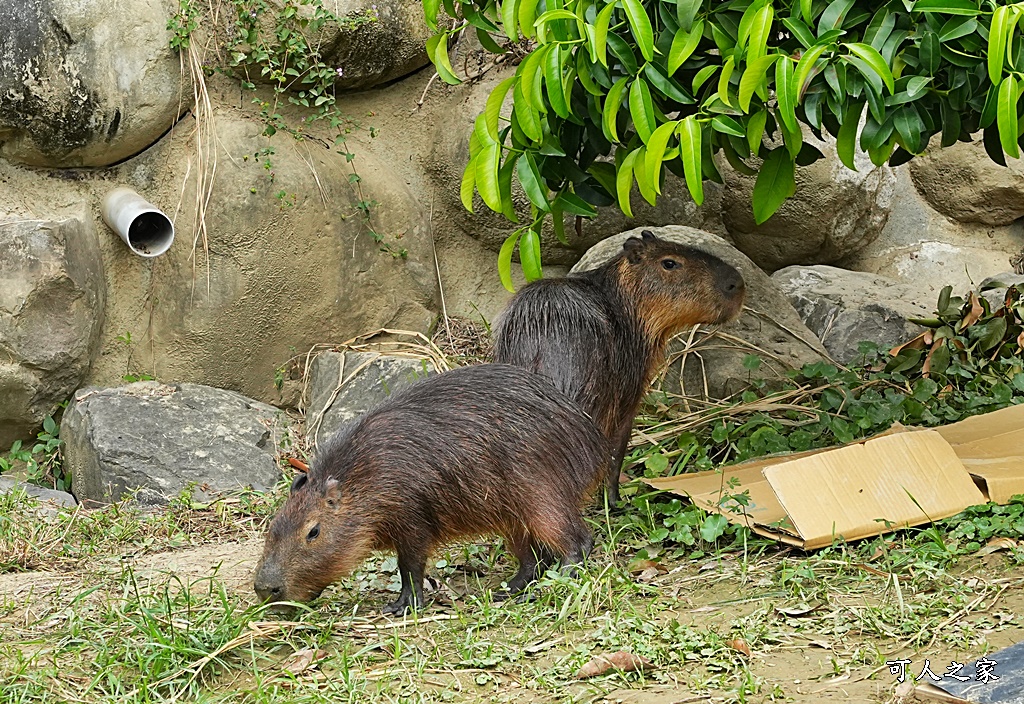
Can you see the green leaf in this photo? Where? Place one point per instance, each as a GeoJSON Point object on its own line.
{"type": "Point", "coordinates": [533, 186]}
{"type": "Point", "coordinates": [488, 43]}
{"type": "Point", "coordinates": [703, 75]}
{"type": "Point", "coordinates": [529, 254]}
{"type": "Point", "coordinates": [683, 46]}
{"type": "Point", "coordinates": [713, 527]}
{"type": "Point", "coordinates": [666, 86]}
{"type": "Point", "coordinates": [800, 31]}
{"type": "Point", "coordinates": [505, 260]}
{"type": "Point", "coordinates": [833, 16]}
{"type": "Point", "coordinates": [508, 208]}
{"type": "Point", "coordinates": [775, 183]}
{"type": "Point", "coordinates": [641, 109]}
{"type": "Point", "coordinates": [908, 126]}
{"type": "Point", "coordinates": [806, 10]}
{"type": "Point", "coordinates": [727, 125]}
{"type": "Point", "coordinates": [686, 11]}
{"type": "Point", "coordinates": [642, 182]}
{"type": "Point", "coordinates": [804, 68]}
{"type": "Point", "coordinates": [527, 16]}
{"type": "Point", "coordinates": [468, 184]}
{"type": "Point", "coordinates": [640, 24]}
{"type": "Point", "coordinates": [601, 33]}
{"type": "Point", "coordinates": [754, 77]}
{"type": "Point", "coordinates": [723, 81]}
{"type": "Point", "coordinates": [553, 81]}
{"type": "Point", "coordinates": [531, 76]}
{"type": "Point", "coordinates": [487, 163]}
{"type": "Point", "coordinates": [947, 7]}
{"type": "Point", "coordinates": [755, 129]}
{"type": "Point", "coordinates": [612, 103]}
{"type": "Point", "coordinates": [998, 34]}
{"type": "Point", "coordinates": [785, 92]}
{"type": "Point", "coordinates": [558, 221]}
{"type": "Point", "coordinates": [690, 155]}
{"type": "Point", "coordinates": [759, 30]}
{"type": "Point", "coordinates": [872, 58]}
{"type": "Point", "coordinates": [846, 141]}
{"type": "Point", "coordinates": [430, 10]}
{"type": "Point", "coordinates": [1006, 116]}
{"type": "Point", "coordinates": [656, 152]}
{"type": "Point", "coordinates": [494, 102]}
{"type": "Point", "coordinates": [508, 18]}
{"type": "Point", "coordinates": [624, 183]}
{"type": "Point", "coordinates": [572, 203]}
{"type": "Point", "coordinates": [437, 50]}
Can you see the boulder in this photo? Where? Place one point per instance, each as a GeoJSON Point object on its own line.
{"type": "Point", "coordinates": [158, 439]}
{"type": "Point", "coordinates": [48, 498]}
{"type": "Point", "coordinates": [844, 308]}
{"type": "Point", "coordinates": [52, 296]}
{"type": "Point", "coordinates": [769, 326]}
{"type": "Point", "coordinates": [450, 154]}
{"type": "Point", "coordinates": [834, 212]}
{"type": "Point", "coordinates": [963, 183]}
{"type": "Point", "coordinates": [345, 385]}
{"type": "Point", "coordinates": [86, 82]}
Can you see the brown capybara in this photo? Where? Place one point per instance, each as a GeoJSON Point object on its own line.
{"type": "Point", "coordinates": [487, 449]}
{"type": "Point", "coordinates": [600, 335]}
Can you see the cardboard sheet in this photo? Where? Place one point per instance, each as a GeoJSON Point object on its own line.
{"type": "Point", "coordinates": [901, 478]}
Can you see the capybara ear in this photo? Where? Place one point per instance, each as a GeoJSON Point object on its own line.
{"type": "Point", "coordinates": [332, 491]}
{"type": "Point", "coordinates": [649, 236]}
{"type": "Point", "coordinates": [299, 481]}
{"type": "Point", "coordinates": [633, 248]}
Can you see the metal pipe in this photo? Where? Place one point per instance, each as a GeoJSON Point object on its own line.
{"type": "Point", "coordinates": [142, 226]}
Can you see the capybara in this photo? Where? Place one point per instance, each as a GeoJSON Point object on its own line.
{"type": "Point", "coordinates": [486, 449]}
{"type": "Point", "coordinates": [601, 335]}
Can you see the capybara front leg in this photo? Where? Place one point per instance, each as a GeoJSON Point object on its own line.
{"type": "Point", "coordinates": [611, 478]}
{"type": "Point", "coordinates": [412, 563]}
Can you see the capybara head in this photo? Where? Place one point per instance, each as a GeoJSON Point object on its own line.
{"type": "Point", "coordinates": [313, 541]}
{"type": "Point", "coordinates": [676, 286]}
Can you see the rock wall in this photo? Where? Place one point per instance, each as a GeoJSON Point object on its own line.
{"type": "Point", "coordinates": [95, 98]}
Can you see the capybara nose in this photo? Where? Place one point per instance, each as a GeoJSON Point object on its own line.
{"type": "Point", "coordinates": [269, 584]}
{"type": "Point", "coordinates": [730, 282]}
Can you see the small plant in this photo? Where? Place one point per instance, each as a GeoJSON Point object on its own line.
{"type": "Point", "coordinates": [43, 461]}
{"type": "Point", "coordinates": [131, 375]}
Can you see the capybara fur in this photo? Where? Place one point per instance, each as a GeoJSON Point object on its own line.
{"type": "Point", "coordinates": [601, 335]}
{"type": "Point", "coordinates": [487, 449]}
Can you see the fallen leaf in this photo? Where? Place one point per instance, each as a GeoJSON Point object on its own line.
{"type": "Point", "coordinates": [1020, 340]}
{"type": "Point", "coordinates": [739, 645]}
{"type": "Point", "coordinates": [997, 544]}
{"type": "Point", "coordinates": [823, 644]}
{"type": "Point", "coordinates": [975, 313]}
{"type": "Point", "coordinates": [621, 661]}
{"type": "Point", "coordinates": [647, 575]}
{"type": "Point", "coordinates": [298, 464]}
{"type": "Point", "coordinates": [801, 610]}
{"type": "Point", "coordinates": [916, 343]}
{"type": "Point", "coordinates": [302, 660]}
{"type": "Point", "coordinates": [624, 478]}
{"type": "Point", "coordinates": [641, 566]}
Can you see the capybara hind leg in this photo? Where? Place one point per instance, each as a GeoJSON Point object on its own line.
{"type": "Point", "coordinates": [580, 547]}
{"type": "Point", "coordinates": [611, 477]}
{"type": "Point", "coordinates": [412, 563]}
{"type": "Point", "coordinates": [525, 550]}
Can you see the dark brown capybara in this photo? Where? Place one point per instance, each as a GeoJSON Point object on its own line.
{"type": "Point", "coordinates": [601, 335]}
{"type": "Point", "coordinates": [487, 449]}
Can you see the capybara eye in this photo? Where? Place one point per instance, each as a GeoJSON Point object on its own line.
{"type": "Point", "coordinates": [669, 264]}
{"type": "Point", "coordinates": [313, 533]}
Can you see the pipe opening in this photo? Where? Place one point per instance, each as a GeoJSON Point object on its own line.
{"type": "Point", "coordinates": [146, 230]}
{"type": "Point", "coordinates": [150, 234]}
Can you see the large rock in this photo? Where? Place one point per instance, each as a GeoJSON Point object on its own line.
{"type": "Point", "coordinates": [834, 213]}
{"type": "Point", "coordinates": [159, 439]}
{"type": "Point", "coordinates": [345, 385]}
{"type": "Point", "coordinates": [844, 308]}
{"type": "Point", "coordinates": [48, 498]}
{"type": "Point", "coordinates": [450, 154]}
{"type": "Point", "coordinates": [962, 182]}
{"type": "Point", "coordinates": [51, 311]}
{"type": "Point", "coordinates": [292, 263]}
{"type": "Point", "coordinates": [768, 326]}
{"type": "Point", "coordinates": [85, 82]}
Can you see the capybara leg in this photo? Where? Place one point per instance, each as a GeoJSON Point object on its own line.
{"type": "Point", "coordinates": [611, 478]}
{"type": "Point", "coordinates": [523, 547]}
{"type": "Point", "coordinates": [412, 563]}
{"type": "Point", "coordinates": [579, 548]}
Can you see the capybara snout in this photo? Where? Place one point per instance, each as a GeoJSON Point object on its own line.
{"type": "Point", "coordinates": [487, 449]}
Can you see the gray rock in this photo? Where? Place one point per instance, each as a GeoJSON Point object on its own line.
{"type": "Point", "coordinates": [834, 212]}
{"type": "Point", "coordinates": [345, 385]}
{"type": "Point", "coordinates": [86, 82]}
{"type": "Point", "coordinates": [768, 326]}
{"type": "Point", "coordinates": [844, 308]}
{"type": "Point", "coordinates": [1002, 281]}
{"type": "Point", "coordinates": [158, 439]}
{"type": "Point", "coordinates": [52, 296]}
{"type": "Point", "coordinates": [963, 183]}
{"type": "Point", "coordinates": [47, 497]}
